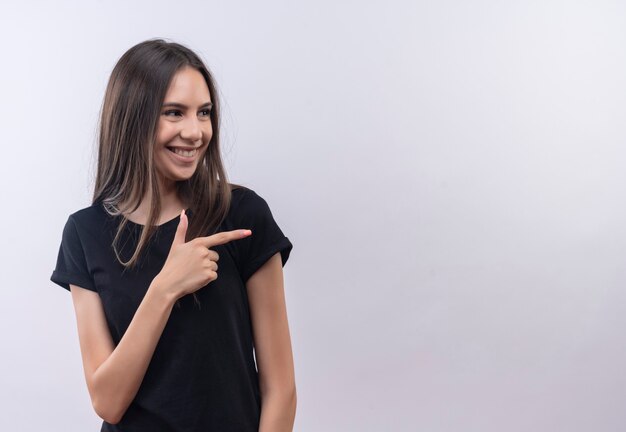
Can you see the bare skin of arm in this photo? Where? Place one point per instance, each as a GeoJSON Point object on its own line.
{"type": "Point", "coordinates": [272, 344]}
{"type": "Point", "coordinates": [114, 374]}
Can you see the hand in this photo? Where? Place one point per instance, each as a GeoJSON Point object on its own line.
{"type": "Point", "coordinates": [191, 265]}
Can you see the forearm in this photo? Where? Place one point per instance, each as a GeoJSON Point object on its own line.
{"type": "Point", "coordinates": [278, 411]}
{"type": "Point", "coordinates": [118, 378]}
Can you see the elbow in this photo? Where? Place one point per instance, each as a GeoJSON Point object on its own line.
{"type": "Point", "coordinates": [287, 396]}
{"type": "Point", "coordinates": [106, 406]}
{"type": "Point", "coordinates": [291, 402]}
{"type": "Point", "coordinates": [107, 412]}
{"type": "Point", "coordinates": [292, 395]}
{"type": "Point", "coordinates": [284, 390]}
{"type": "Point", "coordinates": [294, 399]}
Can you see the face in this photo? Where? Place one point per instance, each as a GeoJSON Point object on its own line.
{"type": "Point", "coordinates": [184, 129]}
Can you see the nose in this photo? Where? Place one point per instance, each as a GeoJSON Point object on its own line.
{"type": "Point", "coordinates": [191, 130]}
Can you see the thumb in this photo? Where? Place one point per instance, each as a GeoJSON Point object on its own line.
{"type": "Point", "coordinates": [181, 230]}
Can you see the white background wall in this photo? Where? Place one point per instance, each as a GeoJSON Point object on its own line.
{"type": "Point", "coordinates": [451, 175]}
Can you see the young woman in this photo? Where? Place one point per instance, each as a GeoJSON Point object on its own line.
{"type": "Point", "coordinates": [169, 340]}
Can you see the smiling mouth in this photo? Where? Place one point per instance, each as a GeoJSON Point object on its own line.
{"type": "Point", "coordinates": [184, 153]}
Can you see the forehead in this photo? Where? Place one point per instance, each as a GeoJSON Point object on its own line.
{"type": "Point", "coordinates": [188, 84]}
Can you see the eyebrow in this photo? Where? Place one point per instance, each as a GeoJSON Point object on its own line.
{"type": "Point", "coordinates": [183, 106]}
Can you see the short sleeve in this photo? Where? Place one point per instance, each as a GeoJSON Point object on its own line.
{"type": "Point", "coordinates": [71, 267]}
{"type": "Point", "coordinates": [266, 239]}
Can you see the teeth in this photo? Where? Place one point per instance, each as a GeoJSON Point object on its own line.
{"type": "Point", "coordinates": [185, 153]}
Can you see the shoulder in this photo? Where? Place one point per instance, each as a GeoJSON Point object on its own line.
{"type": "Point", "coordinates": [245, 199]}
{"type": "Point", "coordinates": [91, 219]}
{"type": "Point", "coordinates": [88, 213]}
{"type": "Point", "coordinates": [248, 209]}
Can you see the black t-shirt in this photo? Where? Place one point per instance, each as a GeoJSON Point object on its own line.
{"type": "Point", "coordinates": [202, 376]}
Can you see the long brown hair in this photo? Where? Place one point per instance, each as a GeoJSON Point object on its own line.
{"type": "Point", "coordinates": [128, 126]}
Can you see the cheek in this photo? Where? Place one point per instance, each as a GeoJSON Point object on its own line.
{"type": "Point", "coordinates": [208, 129]}
{"type": "Point", "coordinates": [165, 133]}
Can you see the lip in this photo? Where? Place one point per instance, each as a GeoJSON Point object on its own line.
{"type": "Point", "coordinates": [184, 148]}
{"type": "Point", "coordinates": [184, 159]}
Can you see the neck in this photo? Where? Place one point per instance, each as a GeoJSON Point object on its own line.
{"type": "Point", "coordinates": [171, 205]}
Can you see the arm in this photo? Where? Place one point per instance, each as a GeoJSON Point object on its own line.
{"type": "Point", "coordinates": [114, 374]}
{"type": "Point", "coordinates": [272, 346]}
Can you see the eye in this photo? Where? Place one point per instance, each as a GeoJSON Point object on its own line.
{"type": "Point", "coordinates": [207, 112]}
{"type": "Point", "coordinates": [167, 113]}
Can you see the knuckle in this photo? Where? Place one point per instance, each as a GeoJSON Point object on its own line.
{"type": "Point", "coordinates": [210, 273]}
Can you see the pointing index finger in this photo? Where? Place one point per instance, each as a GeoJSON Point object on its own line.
{"type": "Point", "coordinates": [223, 237]}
